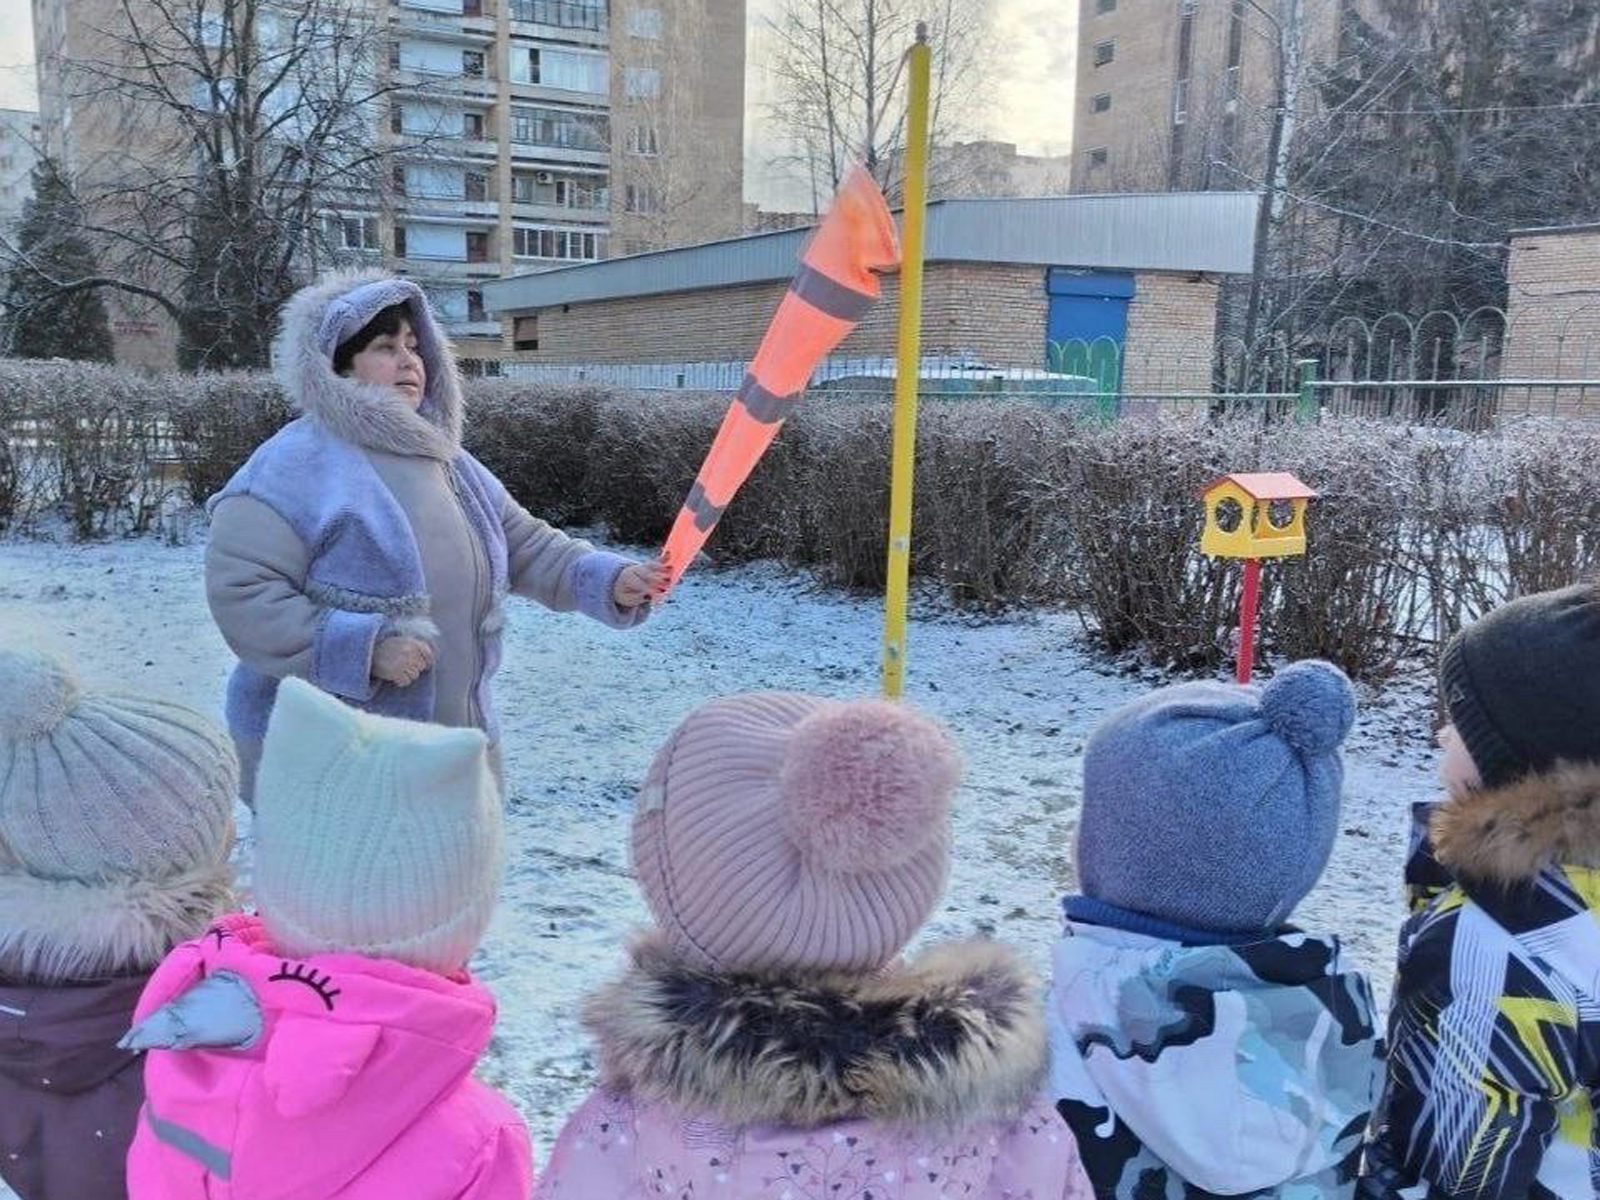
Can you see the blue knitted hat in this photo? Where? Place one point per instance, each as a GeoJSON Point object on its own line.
{"type": "Point", "coordinates": [1214, 806]}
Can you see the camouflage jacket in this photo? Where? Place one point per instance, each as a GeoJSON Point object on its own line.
{"type": "Point", "coordinates": [1190, 1072]}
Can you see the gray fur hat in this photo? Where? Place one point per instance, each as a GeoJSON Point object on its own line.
{"type": "Point", "coordinates": [319, 317]}
{"type": "Point", "coordinates": [1214, 806]}
{"type": "Point", "coordinates": [116, 821]}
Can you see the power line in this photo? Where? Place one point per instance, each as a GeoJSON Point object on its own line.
{"type": "Point", "coordinates": [1565, 106]}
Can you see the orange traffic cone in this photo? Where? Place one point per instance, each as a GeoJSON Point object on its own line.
{"type": "Point", "coordinates": [827, 298]}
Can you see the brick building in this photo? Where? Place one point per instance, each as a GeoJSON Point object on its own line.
{"type": "Point", "coordinates": [1179, 94]}
{"type": "Point", "coordinates": [515, 135]}
{"type": "Point", "coordinates": [1005, 281]}
{"type": "Point", "coordinates": [1553, 309]}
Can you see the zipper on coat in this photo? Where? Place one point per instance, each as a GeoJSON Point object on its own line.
{"type": "Point", "coordinates": [474, 715]}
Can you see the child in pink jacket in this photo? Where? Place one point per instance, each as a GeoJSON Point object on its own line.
{"type": "Point", "coordinates": [767, 1042]}
{"type": "Point", "coordinates": [324, 1050]}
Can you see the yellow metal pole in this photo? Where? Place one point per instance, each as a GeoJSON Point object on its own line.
{"type": "Point", "coordinates": [908, 371]}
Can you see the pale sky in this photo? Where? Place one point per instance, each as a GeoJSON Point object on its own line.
{"type": "Point", "coordinates": [1033, 87]}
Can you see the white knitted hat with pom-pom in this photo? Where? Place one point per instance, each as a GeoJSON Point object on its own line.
{"type": "Point", "coordinates": [116, 820]}
{"type": "Point", "coordinates": [780, 829]}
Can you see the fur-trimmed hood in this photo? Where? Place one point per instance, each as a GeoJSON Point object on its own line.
{"type": "Point", "coordinates": [954, 1036]}
{"type": "Point", "coordinates": [57, 931]}
{"type": "Point", "coordinates": [369, 416]}
{"type": "Point", "coordinates": [1507, 836]}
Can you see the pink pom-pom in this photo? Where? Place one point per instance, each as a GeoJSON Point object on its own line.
{"type": "Point", "coordinates": [867, 785]}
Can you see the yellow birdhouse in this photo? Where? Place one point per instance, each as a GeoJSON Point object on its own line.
{"type": "Point", "coordinates": [1256, 516]}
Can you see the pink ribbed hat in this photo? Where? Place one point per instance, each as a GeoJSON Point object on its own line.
{"type": "Point", "coordinates": [779, 829]}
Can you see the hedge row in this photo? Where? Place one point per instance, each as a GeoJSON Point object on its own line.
{"type": "Point", "coordinates": [1415, 532]}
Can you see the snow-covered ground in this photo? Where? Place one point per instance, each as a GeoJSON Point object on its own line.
{"type": "Point", "coordinates": [584, 709]}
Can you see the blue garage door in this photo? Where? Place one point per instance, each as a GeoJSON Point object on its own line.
{"type": "Point", "coordinates": [1088, 322]}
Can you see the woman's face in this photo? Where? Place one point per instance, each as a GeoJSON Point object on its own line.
{"type": "Point", "coordinates": [391, 360]}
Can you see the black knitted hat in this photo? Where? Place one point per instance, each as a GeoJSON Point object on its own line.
{"type": "Point", "coordinates": [1523, 684]}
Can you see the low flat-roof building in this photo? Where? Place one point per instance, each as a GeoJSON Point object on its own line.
{"type": "Point", "coordinates": [1020, 283]}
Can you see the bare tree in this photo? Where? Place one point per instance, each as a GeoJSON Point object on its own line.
{"type": "Point", "coordinates": [842, 85]}
{"type": "Point", "coordinates": [208, 136]}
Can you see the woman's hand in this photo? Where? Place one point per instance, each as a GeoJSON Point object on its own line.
{"type": "Point", "coordinates": [640, 583]}
{"type": "Point", "coordinates": [401, 660]}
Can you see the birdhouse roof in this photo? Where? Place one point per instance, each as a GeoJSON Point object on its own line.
{"type": "Point", "coordinates": [1268, 485]}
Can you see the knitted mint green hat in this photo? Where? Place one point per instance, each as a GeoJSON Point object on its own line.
{"type": "Point", "coordinates": [374, 835]}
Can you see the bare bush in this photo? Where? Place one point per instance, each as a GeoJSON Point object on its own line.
{"type": "Point", "coordinates": [217, 421]}
{"type": "Point", "coordinates": [1415, 531]}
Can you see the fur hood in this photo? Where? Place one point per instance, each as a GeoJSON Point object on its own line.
{"type": "Point", "coordinates": [359, 412]}
{"type": "Point", "coordinates": [954, 1037]}
{"type": "Point", "coordinates": [1508, 835]}
{"type": "Point", "coordinates": [61, 931]}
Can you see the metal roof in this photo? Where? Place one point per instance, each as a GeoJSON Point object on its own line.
{"type": "Point", "coordinates": [1181, 231]}
{"type": "Point", "coordinates": [1546, 230]}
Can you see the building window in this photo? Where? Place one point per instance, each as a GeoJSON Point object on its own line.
{"type": "Point", "coordinates": [642, 198]}
{"type": "Point", "coordinates": [641, 83]}
{"type": "Point", "coordinates": [472, 63]}
{"type": "Point", "coordinates": [399, 241]}
{"type": "Point", "coordinates": [1105, 52]}
{"type": "Point", "coordinates": [477, 186]}
{"type": "Point", "coordinates": [566, 14]}
{"type": "Point", "coordinates": [475, 309]}
{"type": "Point", "coordinates": [642, 139]}
{"type": "Point", "coordinates": [1236, 35]}
{"type": "Point", "coordinates": [477, 246]}
{"type": "Point", "coordinates": [570, 244]}
{"type": "Point", "coordinates": [351, 233]}
{"type": "Point", "coordinates": [645, 23]}
{"type": "Point", "coordinates": [394, 56]}
{"type": "Point", "coordinates": [472, 126]}
{"type": "Point", "coordinates": [397, 177]}
{"type": "Point", "coordinates": [1098, 156]}
{"type": "Point", "coordinates": [559, 128]}
{"type": "Point", "coordinates": [568, 70]}
{"type": "Point", "coordinates": [525, 333]}
{"type": "Point", "coordinates": [397, 119]}
{"type": "Point", "coordinates": [1101, 103]}
{"type": "Point", "coordinates": [1175, 163]}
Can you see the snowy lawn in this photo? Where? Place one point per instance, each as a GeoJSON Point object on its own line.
{"type": "Point", "coordinates": [584, 709]}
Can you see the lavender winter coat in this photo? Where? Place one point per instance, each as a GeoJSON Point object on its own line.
{"type": "Point", "coordinates": [364, 519]}
{"type": "Point", "coordinates": [921, 1084]}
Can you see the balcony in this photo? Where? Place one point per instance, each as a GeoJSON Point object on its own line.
{"type": "Point", "coordinates": [560, 14]}
{"type": "Point", "coordinates": [445, 147]}
{"type": "Point", "coordinates": [528, 152]}
{"type": "Point", "coordinates": [425, 266]}
{"type": "Point", "coordinates": [459, 28]}
{"type": "Point", "coordinates": [479, 326]}
{"type": "Point", "coordinates": [413, 79]}
{"type": "Point", "coordinates": [441, 208]}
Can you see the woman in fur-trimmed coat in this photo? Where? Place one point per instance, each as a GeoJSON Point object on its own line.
{"type": "Point", "coordinates": [767, 1041]}
{"type": "Point", "coordinates": [116, 820]}
{"type": "Point", "coordinates": [362, 549]}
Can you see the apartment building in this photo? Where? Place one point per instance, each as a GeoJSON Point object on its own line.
{"type": "Point", "coordinates": [519, 135]}
{"type": "Point", "coordinates": [19, 134]}
{"type": "Point", "coordinates": [1178, 94]}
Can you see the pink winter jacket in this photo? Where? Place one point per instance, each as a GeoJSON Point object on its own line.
{"type": "Point", "coordinates": [358, 1087]}
{"type": "Point", "coordinates": [922, 1084]}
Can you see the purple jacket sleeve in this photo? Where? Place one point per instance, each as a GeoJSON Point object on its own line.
{"type": "Point", "coordinates": [594, 576]}
{"type": "Point", "coordinates": [341, 658]}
